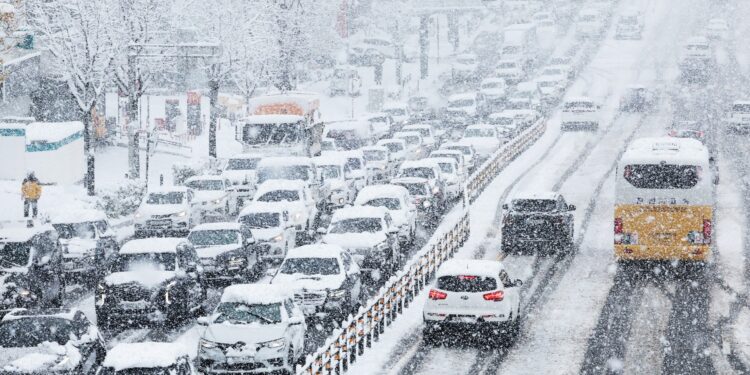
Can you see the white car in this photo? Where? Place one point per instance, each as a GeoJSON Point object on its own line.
{"type": "Point", "coordinates": [580, 113]}
{"type": "Point", "coordinates": [163, 210]}
{"type": "Point", "coordinates": [211, 197]}
{"type": "Point", "coordinates": [333, 169]}
{"type": "Point", "coordinates": [397, 201]}
{"type": "Point", "coordinates": [462, 108]}
{"type": "Point", "coordinates": [293, 197]}
{"type": "Point", "coordinates": [240, 171]}
{"type": "Point", "coordinates": [381, 124]}
{"type": "Point", "coordinates": [472, 292]}
{"type": "Point", "coordinates": [272, 228]}
{"type": "Point", "coordinates": [739, 116]}
{"type": "Point", "coordinates": [88, 242]}
{"type": "Point", "coordinates": [253, 325]}
{"type": "Point", "coordinates": [147, 357]}
{"type": "Point", "coordinates": [590, 24]}
{"type": "Point", "coordinates": [379, 163]}
{"type": "Point", "coordinates": [399, 112]}
{"type": "Point", "coordinates": [293, 168]}
{"type": "Point", "coordinates": [629, 26]}
{"type": "Point", "coordinates": [414, 144]}
{"type": "Point", "coordinates": [526, 95]}
{"type": "Point", "coordinates": [510, 70]}
{"type": "Point", "coordinates": [484, 138]}
{"type": "Point", "coordinates": [465, 66]}
{"type": "Point", "coordinates": [397, 147]}
{"type": "Point", "coordinates": [227, 252]}
{"type": "Point", "coordinates": [325, 279]}
{"type": "Point", "coordinates": [560, 72]}
{"type": "Point", "coordinates": [551, 88]}
{"type": "Point", "coordinates": [470, 154]}
{"type": "Point", "coordinates": [428, 134]}
{"type": "Point", "coordinates": [452, 176]}
{"type": "Point", "coordinates": [492, 91]}
{"type": "Point", "coordinates": [357, 168]}
{"type": "Point", "coordinates": [717, 28]}
{"type": "Point", "coordinates": [458, 156]}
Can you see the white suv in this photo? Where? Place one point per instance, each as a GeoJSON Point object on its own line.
{"type": "Point", "coordinates": [164, 210]}
{"type": "Point", "coordinates": [739, 117]}
{"type": "Point", "coordinates": [254, 326]}
{"type": "Point", "coordinates": [580, 113]}
{"type": "Point", "coordinates": [470, 293]}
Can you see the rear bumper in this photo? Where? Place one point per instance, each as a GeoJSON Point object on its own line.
{"type": "Point", "coordinates": [642, 252]}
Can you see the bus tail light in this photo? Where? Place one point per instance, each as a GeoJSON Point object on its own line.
{"type": "Point", "coordinates": [707, 231]}
{"type": "Point", "coordinates": [437, 295]}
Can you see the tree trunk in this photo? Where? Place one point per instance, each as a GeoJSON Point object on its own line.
{"type": "Point", "coordinates": [214, 98]}
{"type": "Point", "coordinates": [88, 179]}
{"type": "Point", "coordinates": [133, 124]}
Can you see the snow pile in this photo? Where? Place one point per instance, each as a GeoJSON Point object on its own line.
{"type": "Point", "coordinates": [123, 200]}
{"type": "Point", "coordinates": [143, 355]}
{"type": "Point", "coordinates": [254, 294]}
{"type": "Point", "coordinates": [47, 356]}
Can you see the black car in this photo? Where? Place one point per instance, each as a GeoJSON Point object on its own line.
{"type": "Point", "coordinates": [52, 341]}
{"type": "Point", "coordinates": [538, 219]}
{"type": "Point", "coordinates": [227, 252]}
{"type": "Point", "coordinates": [88, 243]}
{"type": "Point", "coordinates": [30, 268]}
{"type": "Point", "coordinates": [155, 279]}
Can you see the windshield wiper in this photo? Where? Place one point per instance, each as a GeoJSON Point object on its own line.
{"type": "Point", "coordinates": [261, 317]}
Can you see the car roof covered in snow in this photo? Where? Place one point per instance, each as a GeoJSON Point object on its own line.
{"type": "Point", "coordinates": [330, 158]}
{"type": "Point", "coordinates": [283, 161]}
{"type": "Point", "coordinates": [410, 180]}
{"type": "Point", "coordinates": [205, 177]}
{"type": "Point", "coordinates": [255, 294]}
{"type": "Point", "coordinates": [347, 153]}
{"type": "Point", "coordinates": [697, 40]}
{"type": "Point", "coordinates": [143, 355]}
{"type": "Point", "coordinates": [227, 225]}
{"type": "Point", "coordinates": [407, 134]}
{"type": "Point", "coordinates": [152, 245]}
{"type": "Point", "coordinates": [665, 149]}
{"type": "Point", "coordinates": [374, 148]}
{"type": "Point", "coordinates": [358, 212]}
{"type": "Point", "coordinates": [535, 195]}
{"type": "Point", "coordinates": [77, 216]}
{"type": "Point", "coordinates": [416, 126]}
{"type": "Point", "coordinates": [442, 159]}
{"type": "Point", "coordinates": [463, 96]}
{"type": "Point", "coordinates": [380, 191]}
{"type": "Point", "coordinates": [52, 131]}
{"type": "Point", "coordinates": [579, 99]}
{"type": "Point", "coordinates": [391, 140]}
{"type": "Point", "coordinates": [470, 267]}
{"type": "Point", "coordinates": [63, 313]}
{"type": "Point", "coordinates": [273, 185]}
{"type": "Point", "coordinates": [349, 124]}
{"type": "Point", "coordinates": [446, 151]}
{"type": "Point", "coordinates": [421, 163]}
{"type": "Point", "coordinates": [246, 156]}
{"type": "Point", "coordinates": [262, 207]}
{"type": "Point", "coordinates": [168, 189]}
{"type": "Point", "coordinates": [18, 232]}
{"type": "Point", "coordinates": [317, 250]}
{"type": "Point", "coordinates": [496, 115]}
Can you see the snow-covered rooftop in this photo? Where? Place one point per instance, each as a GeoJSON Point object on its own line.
{"type": "Point", "coordinates": [152, 245]}
{"type": "Point", "coordinates": [52, 131]}
{"type": "Point", "coordinates": [255, 294]}
{"type": "Point", "coordinates": [143, 355]}
{"type": "Point", "coordinates": [657, 149]}
{"type": "Point", "coordinates": [470, 267]}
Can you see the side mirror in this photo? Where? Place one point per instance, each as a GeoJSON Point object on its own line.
{"type": "Point", "coordinates": [505, 206]}
{"type": "Point", "coordinates": [322, 230]}
{"type": "Point", "coordinates": [571, 207]}
{"type": "Point", "coordinates": [517, 282]}
{"type": "Point", "coordinates": [249, 240]}
{"type": "Point", "coordinates": [203, 321]}
{"type": "Point", "coordinates": [294, 321]}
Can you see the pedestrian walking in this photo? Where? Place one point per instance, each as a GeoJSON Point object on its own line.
{"type": "Point", "coordinates": [31, 191]}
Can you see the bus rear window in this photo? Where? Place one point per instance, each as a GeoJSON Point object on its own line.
{"type": "Point", "coordinates": [466, 284]}
{"type": "Point", "coordinates": [656, 176]}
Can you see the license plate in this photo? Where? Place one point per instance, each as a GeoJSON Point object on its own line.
{"type": "Point", "coordinates": [535, 221]}
{"type": "Point", "coordinates": [137, 305]}
{"type": "Point", "coordinates": [160, 222]}
{"type": "Point", "coordinates": [239, 360]}
{"type": "Point", "coordinates": [464, 319]}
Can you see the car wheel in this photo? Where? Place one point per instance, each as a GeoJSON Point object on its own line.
{"type": "Point", "coordinates": [291, 363]}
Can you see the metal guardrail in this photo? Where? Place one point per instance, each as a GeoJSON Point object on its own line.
{"type": "Point", "coordinates": [357, 334]}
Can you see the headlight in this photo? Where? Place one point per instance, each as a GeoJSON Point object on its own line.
{"type": "Point", "coordinates": [205, 344]}
{"type": "Point", "coordinates": [426, 204]}
{"type": "Point", "coordinates": [337, 293]}
{"type": "Point", "coordinates": [273, 344]}
{"type": "Point", "coordinates": [435, 190]}
{"type": "Point", "coordinates": [181, 214]}
{"type": "Point", "coordinates": [167, 297]}
{"type": "Point", "coordinates": [297, 215]}
{"type": "Point", "coordinates": [63, 362]}
{"type": "Point", "coordinates": [216, 201]}
{"type": "Point", "coordinates": [138, 215]}
{"type": "Point", "coordinates": [278, 238]}
{"type": "Point", "coordinates": [24, 293]}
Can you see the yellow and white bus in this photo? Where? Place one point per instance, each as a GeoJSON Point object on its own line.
{"type": "Point", "coordinates": [664, 201]}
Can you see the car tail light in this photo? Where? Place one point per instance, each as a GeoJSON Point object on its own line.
{"type": "Point", "coordinates": [707, 231]}
{"type": "Point", "coordinates": [437, 295]}
{"type": "Point", "coordinates": [465, 277]}
{"type": "Point", "coordinates": [628, 171]}
{"type": "Point", "coordinates": [494, 296]}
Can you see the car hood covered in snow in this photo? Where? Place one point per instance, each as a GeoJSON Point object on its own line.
{"type": "Point", "coordinates": [78, 246]}
{"type": "Point", "coordinates": [146, 278]}
{"type": "Point", "coordinates": [250, 334]}
{"type": "Point", "coordinates": [239, 176]}
{"type": "Point", "coordinates": [45, 358]}
{"type": "Point", "coordinates": [215, 251]}
{"type": "Point", "coordinates": [160, 209]}
{"type": "Point", "coordinates": [208, 195]}
{"type": "Point", "coordinates": [354, 240]}
{"type": "Point", "coordinates": [266, 234]}
{"type": "Point", "coordinates": [298, 281]}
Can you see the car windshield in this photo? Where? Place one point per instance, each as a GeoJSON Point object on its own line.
{"type": "Point", "coordinates": [511, 49]}
{"type": "Point", "coordinates": [547, 83]}
{"type": "Point", "coordinates": [329, 171]}
{"type": "Point", "coordinates": [241, 313]}
{"type": "Point", "coordinates": [174, 197]}
{"type": "Point", "coordinates": [658, 176]}
{"type": "Point", "coordinates": [327, 146]}
{"type": "Point", "coordinates": [85, 230]}
{"type": "Point", "coordinates": [416, 189]}
{"type": "Point", "coordinates": [423, 172]}
{"type": "Point", "coordinates": [393, 146]}
{"type": "Point", "coordinates": [354, 163]}
{"type": "Point", "coordinates": [493, 85]}
{"type": "Point", "coordinates": [410, 140]}
{"type": "Point", "coordinates": [32, 331]}
{"type": "Point", "coordinates": [587, 18]}
{"type": "Point", "coordinates": [464, 149]}
{"type": "Point", "coordinates": [422, 131]}
{"type": "Point", "coordinates": [418, 102]}
{"type": "Point", "coordinates": [395, 111]}
{"type": "Point", "coordinates": [446, 167]}
{"type": "Point", "coordinates": [519, 102]}
{"type": "Point", "coordinates": [291, 172]}
{"type": "Point", "coordinates": [310, 266]}
{"type": "Point", "coordinates": [272, 134]}
{"type": "Point", "coordinates": [478, 133]}
{"type": "Point", "coordinates": [466, 60]}
{"type": "Point", "coordinates": [374, 155]}
{"type": "Point", "coordinates": [279, 196]}
{"type": "Point", "coordinates": [579, 105]}
{"type": "Point", "coordinates": [628, 20]}
{"type": "Point", "coordinates": [244, 164]}
{"type": "Point", "coordinates": [214, 237]}
{"type": "Point", "coordinates": [460, 103]}
{"type": "Point", "coordinates": [456, 157]}
{"type": "Point", "coordinates": [144, 262]}
{"type": "Point", "coordinates": [534, 205]}
{"type": "Point", "coordinates": [206, 185]}
{"type": "Point", "coordinates": [14, 254]}
{"type": "Point", "coordinates": [741, 108]}
{"type": "Point", "coordinates": [501, 120]}
{"type": "Point", "coordinates": [357, 225]}
{"type": "Point", "coordinates": [552, 72]}
{"type": "Point", "coordinates": [697, 47]}
{"type": "Point", "coordinates": [466, 284]}
{"type": "Point", "coordinates": [170, 370]}
{"type": "Point", "coordinates": [261, 220]}
{"type": "Point", "coordinates": [389, 203]}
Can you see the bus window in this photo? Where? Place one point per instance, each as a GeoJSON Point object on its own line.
{"type": "Point", "coordinates": [656, 176]}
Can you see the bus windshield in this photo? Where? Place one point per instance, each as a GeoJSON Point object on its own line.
{"type": "Point", "coordinates": [274, 134]}
{"type": "Point", "coordinates": [657, 176]}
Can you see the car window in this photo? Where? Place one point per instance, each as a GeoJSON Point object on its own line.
{"type": "Point", "coordinates": [466, 283]}
{"type": "Point", "coordinates": [288, 307]}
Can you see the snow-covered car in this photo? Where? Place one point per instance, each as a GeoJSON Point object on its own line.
{"type": "Point", "coordinates": [414, 144]}
{"type": "Point", "coordinates": [240, 171]}
{"type": "Point", "coordinates": [552, 90]}
{"type": "Point", "coordinates": [428, 135]}
{"type": "Point", "coordinates": [141, 358]}
{"type": "Point", "coordinates": [544, 219]}
{"type": "Point", "coordinates": [423, 168]}
{"type": "Point", "coordinates": [227, 252]}
{"type": "Point", "coordinates": [483, 137]}
{"type": "Point", "coordinates": [739, 116]}
{"type": "Point", "coordinates": [271, 226]}
{"type": "Point", "coordinates": [697, 57]}
{"type": "Point", "coordinates": [456, 155]}
{"type": "Point", "coordinates": [526, 95]}
{"type": "Point", "coordinates": [506, 124]}
{"type": "Point", "coordinates": [255, 326]}
{"type": "Point", "coordinates": [331, 144]}
{"type": "Point", "coordinates": [470, 154]}
{"type": "Point", "coordinates": [345, 82]}
{"type": "Point", "coordinates": [717, 28]}
{"type": "Point", "coordinates": [349, 134]}
{"type": "Point", "coordinates": [465, 66]}
{"type": "Point", "coordinates": [638, 98]}
{"type": "Point", "coordinates": [562, 72]}
{"type": "Point", "coordinates": [629, 26]}
{"type": "Point", "coordinates": [510, 70]}
{"type": "Point", "coordinates": [419, 108]}
{"type": "Point", "coordinates": [88, 243]}
{"type": "Point", "coordinates": [357, 168]}
{"type": "Point", "coordinates": [156, 279]}
{"type": "Point", "coordinates": [379, 163]}
{"type": "Point", "coordinates": [49, 341]}
{"type": "Point", "coordinates": [492, 91]}
{"type": "Point", "coordinates": [580, 113]}
{"type": "Point", "coordinates": [31, 267]}
{"type": "Point", "coordinates": [398, 149]}
{"type": "Point", "coordinates": [381, 124]}
{"type": "Point", "coordinates": [678, 131]}
{"type": "Point", "coordinates": [462, 108]}
{"type": "Point", "coordinates": [472, 292]}
{"type": "Point", "coordinates": [398, 111]}
{"type": "Point", "coordinates": [453, 178]}
{"type": "Point", "coordinates": [370, 236]}
{"type": "Point", "coordinates": [333, 169]}
{"type": "Point", "coordinates": [210, 198]}
{"type": "Point", "coordinates": [293, 168]}
{"type": "Point", "coordinates": [164, 209]}
{"type": "Point", "coordinates": [292, 196]}
{"type": "Point", "coordinates": [589, 24]}
{"type": "Point", "coordinates": [426, 196]}
{"type": "Point", "coordinates": [524, 117]}
{"type": "Point", "coordinates": [396, 200]}
{"type": "Point", "coordinates": [325, 279]}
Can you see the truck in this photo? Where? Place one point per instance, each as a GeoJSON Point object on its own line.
{"type": "Point", "coordinates": [284, 124]}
